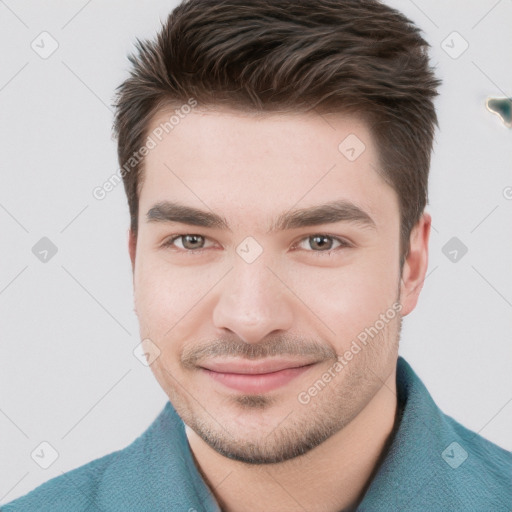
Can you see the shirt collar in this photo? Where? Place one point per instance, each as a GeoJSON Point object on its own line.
{"type": "Point", "coordinates": [412, 462]}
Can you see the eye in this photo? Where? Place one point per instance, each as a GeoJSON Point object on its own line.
{"type": "Point", "coordinates": [324, 243]}
{"type": "Point", "coordinates": [189, 242]}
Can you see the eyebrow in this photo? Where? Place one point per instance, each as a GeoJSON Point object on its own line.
{"type": "Point", "coordinates": [328, 213]}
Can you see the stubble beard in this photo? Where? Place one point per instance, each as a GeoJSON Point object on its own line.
{"type": "Point", "coordinates": [299, 428]}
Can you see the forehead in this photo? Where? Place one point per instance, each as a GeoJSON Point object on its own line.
{"type": "Point", "coordinates": [262, 162]}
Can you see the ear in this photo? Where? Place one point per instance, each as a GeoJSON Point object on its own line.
{"type": "Point", "coordinates": [132, 247]}
{"type": "Point", "coordinates": [415, 265]}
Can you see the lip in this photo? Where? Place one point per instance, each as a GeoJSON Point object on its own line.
{"type": "Point", "coordinates": [255, 376]}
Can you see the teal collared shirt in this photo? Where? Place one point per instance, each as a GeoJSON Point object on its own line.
{"type": "Point", "coordinates": [432, 464]}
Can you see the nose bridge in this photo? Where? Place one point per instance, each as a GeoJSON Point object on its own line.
{"type": "Point", "coordinates": [253, 302]}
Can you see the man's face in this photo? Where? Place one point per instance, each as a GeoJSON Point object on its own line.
{"type": "Point", "coordinates": [250, 322]}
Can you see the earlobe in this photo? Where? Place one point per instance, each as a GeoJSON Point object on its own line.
{"type": "Point", "coordinates": [415, 265]}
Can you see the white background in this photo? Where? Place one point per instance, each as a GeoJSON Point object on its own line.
{"type": "Point", "coordinates": [67, 372]}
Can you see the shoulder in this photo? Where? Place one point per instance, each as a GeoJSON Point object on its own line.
{"type": "Point", "coordinates": [444, 463]}
{"type": "Point", "coordinates": [74, 490]}
{"type": "Point", "coordinates": [469, 466]}
{"type": "Point", "coordinates": [155, 472]}
{"type": "Point", "coordinates": [121, 477]}
{"type": "Point", "coordinates": [478, 464]}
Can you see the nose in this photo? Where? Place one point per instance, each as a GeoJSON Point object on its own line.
{"type": "Point", "coordinates": [253, 302]}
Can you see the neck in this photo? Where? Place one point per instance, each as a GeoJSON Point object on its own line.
{"type": "Point", "coordinates": [332, 477]}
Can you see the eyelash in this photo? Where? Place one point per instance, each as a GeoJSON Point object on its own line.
{"type": "Point", "coordinates": [344, 244]}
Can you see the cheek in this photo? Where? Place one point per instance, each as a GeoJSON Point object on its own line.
{"type": "Point", "coordinates": [170, 299]}
{"type": "Point", "coordinates": [164, 297]}
{"type": "Point", "coordinates": [349, 299]}
{"type": "Point", "coordinates": [163, 309]}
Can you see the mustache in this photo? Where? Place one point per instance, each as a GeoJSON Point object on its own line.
{"type": "Point", "coordinates": [193, 356]}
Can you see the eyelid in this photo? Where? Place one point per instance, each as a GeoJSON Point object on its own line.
{"type": "Point", "coordinates": [169, 242]}
{"type": "Point", "coordinates": [344, 243]}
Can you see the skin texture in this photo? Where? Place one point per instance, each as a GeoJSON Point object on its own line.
{"type": "Point", "coordinates": [276, 450]}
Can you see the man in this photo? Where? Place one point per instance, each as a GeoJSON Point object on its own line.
{"type": "Point", "coordinates": [275, 156]}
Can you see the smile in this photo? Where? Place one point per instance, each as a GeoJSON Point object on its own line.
{"type": "Point", "coordinates": [255, 376]}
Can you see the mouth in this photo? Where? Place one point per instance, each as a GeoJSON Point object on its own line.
{"type": "Point", "coordinates": [255, 377]}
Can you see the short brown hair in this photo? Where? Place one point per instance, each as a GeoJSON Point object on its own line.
{"type": "Point", "coordinates": [352, 56]}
